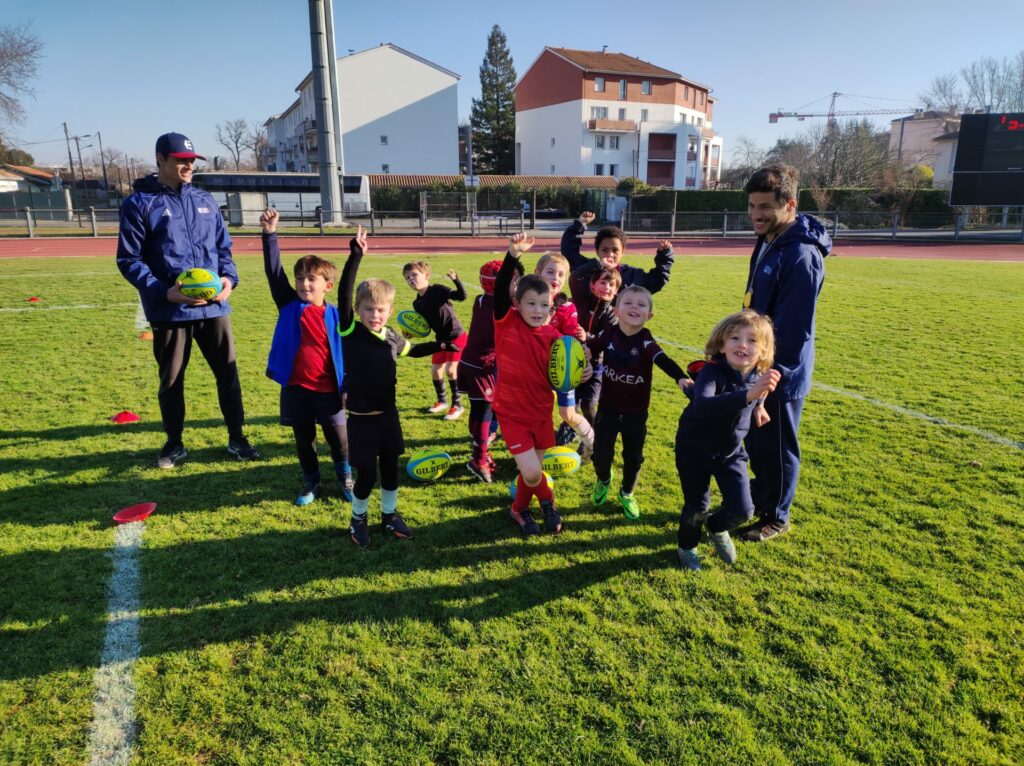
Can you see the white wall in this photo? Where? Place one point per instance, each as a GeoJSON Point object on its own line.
{"type": "Point", "coordinates": [384, 92]}
{"type": "Point", "coordinates": [534, 130]}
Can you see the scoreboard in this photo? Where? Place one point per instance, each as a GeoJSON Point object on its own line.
{"type": "Point", "coordinates": [989, 166]}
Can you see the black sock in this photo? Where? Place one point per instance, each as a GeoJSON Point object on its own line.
{"type": "Point", "coordinates": [442, 395]}
{"type": "Point", "coordinates": [456, 396]}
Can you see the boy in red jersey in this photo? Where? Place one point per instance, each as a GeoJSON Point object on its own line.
{"type": "Point", "coordinates": [476, 374]}
{"type": "Point", "coordinates": [523, 335]}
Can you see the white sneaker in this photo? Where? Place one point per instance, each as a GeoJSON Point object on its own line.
{"type": "Point", "coordinates": [454, 412]}
{"type": "Point", "coordinates": [438, 407]}
{"type": "Point", "coordinates": [723, 546]}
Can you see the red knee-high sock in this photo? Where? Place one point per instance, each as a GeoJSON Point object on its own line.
{"type": "Point", "coordinates": [479, 430]}
{"type": "Point", "coordinates": [524, 494]}
{"type": "Point", "coordinates": [543, 490]}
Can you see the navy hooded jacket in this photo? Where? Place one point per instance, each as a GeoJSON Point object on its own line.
{"type": "Point", "coordinates": [717, 418]}
{"type": "Point", "coordinates": [784, 283]}
{"type": "Point", "coordinates": [162, 233]}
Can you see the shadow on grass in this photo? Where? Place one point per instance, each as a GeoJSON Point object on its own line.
{"type": "Point", "coordinates": [211, 587]}
{"type": "Point", "coordinates": [107, 428]}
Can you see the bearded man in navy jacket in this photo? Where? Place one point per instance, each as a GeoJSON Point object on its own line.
{"type": "Point", "coordinates": [166, 227]}
{"type": "Point", "coordinates": [785, 278]}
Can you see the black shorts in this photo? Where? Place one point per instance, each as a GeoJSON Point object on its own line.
{"type": "Point", "coordinates": [477, 383]}
{"type": "Point", "coordinates": [300, 406]}
{"type": "Point", "coordinates": [373, 436]}
{"type": "Point", "coordinates": [591, 390]}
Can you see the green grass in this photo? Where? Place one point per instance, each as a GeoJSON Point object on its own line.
{"type": "Point", "coordinates": [886, 628]}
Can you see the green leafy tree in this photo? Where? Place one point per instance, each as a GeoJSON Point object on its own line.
{"type": "Point", "coordinates": [494, 114]}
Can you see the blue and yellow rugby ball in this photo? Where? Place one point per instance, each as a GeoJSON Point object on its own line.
{"type": "Point", "coordinates": [199, 284]}
{"type": "Point", "coordinates": [565, 363]}
{"type": "Point", "coordinates": [428, 465]}
{"type": "Point", "coordinates": [561, 461]}
{"type": "Point", "coordinates": [413, 324]}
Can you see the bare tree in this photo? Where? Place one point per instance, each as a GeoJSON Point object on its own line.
{"type": "Point", "coordinates": [256, 142]}
{"type": "Point", "coordinates": [19, 60]}
{"type": "Point", "coordinates": [232, 136]}
{"type": "Point", "coordinates": [944, 93]}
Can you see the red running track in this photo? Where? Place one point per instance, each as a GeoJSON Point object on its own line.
{"type": "Point", "coordinates": [961, 251]}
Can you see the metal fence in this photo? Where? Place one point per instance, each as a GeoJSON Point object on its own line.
{"type": "Point", "coordinates": [995, 224]}
{"type": "Point", "coordinates": [990, 223]}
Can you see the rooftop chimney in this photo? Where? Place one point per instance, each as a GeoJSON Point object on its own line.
{"type": "Point", "coordinates": [604, 49]}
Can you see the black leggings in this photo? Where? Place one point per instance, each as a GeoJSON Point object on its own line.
{"type": "Point", "coordinates": [366, 476]}
{"type": "Point", "coordinates": [336, 437]}
{"type": "Point", "coordinates": [633, 427]}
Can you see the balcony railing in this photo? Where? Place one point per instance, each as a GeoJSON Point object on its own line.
{"type": "Point", "coordinates": [611, 126]}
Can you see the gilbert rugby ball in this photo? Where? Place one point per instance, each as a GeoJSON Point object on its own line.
{"type": "Point", "coordinates": [428, 465]}
{"type": "Point", "coordinates": [413, 323]}
{"type": "Point", "coordinates": [200, 284]}
{"type": "Point", "coordinates": [561, 461]}
{"type": "Point", "coordinates": [565, 363]}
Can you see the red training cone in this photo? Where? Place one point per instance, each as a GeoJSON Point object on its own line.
{"type": "Point", "coordinates": [126, 416]}
{"type": "Point", "coordinates": [33, 299]}
{"type": "Point", "coordinates": [132, 513]}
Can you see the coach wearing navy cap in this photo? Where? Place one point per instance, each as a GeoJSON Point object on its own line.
{"type": "Point", "coordinates": [169, 226]}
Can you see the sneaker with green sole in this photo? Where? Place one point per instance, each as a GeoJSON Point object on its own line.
{"type": "Point", "coordinates": [601, 488]}
{"type": "Point", "coordinates": [630, 509]}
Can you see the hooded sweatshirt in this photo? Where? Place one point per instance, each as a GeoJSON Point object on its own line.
{"type": "Point", "coordinates": [784, 283]}
{"type": "Point", "coordinates": [162, 233]}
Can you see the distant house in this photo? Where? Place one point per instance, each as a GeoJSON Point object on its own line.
{"type": "Point", "coordinates": [924, 138]}
{"type": "Point", "coordinates": [398, 111]}
{"type": "Point", "coordinates": [35, 179]}
{"type": "Point", "coordinates": [584, 112]}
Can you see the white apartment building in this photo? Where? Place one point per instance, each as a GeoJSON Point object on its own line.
{"type": "Point", "coordinates": [399, 114]}
{"type": "Point", "coordinates": [926, 138]}
{"type": "Point", "coordinates": [600, 113]}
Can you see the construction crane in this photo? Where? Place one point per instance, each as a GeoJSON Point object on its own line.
{"type": "Point", "coordinates": [832, 113]}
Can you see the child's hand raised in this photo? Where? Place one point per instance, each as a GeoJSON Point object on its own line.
{"type": "Point", "coordinates": [519, 243]}
{"type": "Point", "coordinates": [268, 220]}
{"type": "Point", "coordinates": [664, 245]}
{"type": "Point", "coordinates": [452, 275]}
{"type": "Point", "coordinates": [765, 384]}
{"type": "Point", "coordinates": [360, 238]}
{"type": "Point", "coordinates": [587, 217]}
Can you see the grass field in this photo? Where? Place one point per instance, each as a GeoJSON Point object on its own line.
{"type": "Point", "coordinates": [885, 628]}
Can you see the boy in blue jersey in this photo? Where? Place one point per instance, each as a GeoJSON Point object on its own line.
{"type": "Point", "coordinates": [306, 359]}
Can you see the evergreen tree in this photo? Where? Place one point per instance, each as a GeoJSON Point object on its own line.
{"type": "Point", "coordinates": [494, 114]}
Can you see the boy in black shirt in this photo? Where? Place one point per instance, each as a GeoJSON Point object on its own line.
{"type": "Point", "coordinates": [370, 349]}
{"type": "Point", "coordinates": [434, 303]}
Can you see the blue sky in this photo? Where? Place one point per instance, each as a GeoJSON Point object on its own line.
{"type": "Point", "coordinates": [133, 70]}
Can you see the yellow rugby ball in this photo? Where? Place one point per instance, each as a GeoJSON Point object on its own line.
{"type": "Point", "coordinates": [561, 461]}
{"type": "Point", "coordinates": [565, 364]}
{"type": "Point", "coordinates": [199, 284]}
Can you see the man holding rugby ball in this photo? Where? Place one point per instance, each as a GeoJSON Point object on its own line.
{"type": "Point", "coordinates": [166, 227]}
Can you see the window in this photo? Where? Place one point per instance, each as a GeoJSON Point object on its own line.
{"type": "Point", "coordinates": [643, 115]}
{"type": "Point", "coordinates": [715, 151]}
{"type": "Point", "coordinates": [552, 140]}
{"type": "Point", "coordinates": [599, 113]}
{"type": "Point", "coordinates": [385, 168]}
{"type": "Point", "coordinates": [599, 85]}
{"type": "Point", "coordinates": [599, 142]}
{"type": "Point", "coordinates": [692, 145]}
{"type": "Point", "coordinates": [383, 140]}
{"type": "Point", "coordinates": [613, 142]}
{"type": "Point", "coordinates": [645, 87]}
{"type": "Point", "coordinates": [622, 89]}
{"type": "Point", "coordinates": [702, 98]}
{"type": "Point", "coordinates": [552, 170]}
{"type": "Point", "coordinates": [599, 169]}
{"type": "Point", "coordinates": [700, 122]}
{"type": "Point", "coordinates": [613, 170]}
{"type": "Point", "coordinates": [693, 119]}
{"type": "Point", "coordinates": [686, 93]}
{"type": "Point", "coordinates": [622, 114]}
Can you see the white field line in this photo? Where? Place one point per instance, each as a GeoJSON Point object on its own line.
{"type": "Point", "coordinates": [77, 307]}
{"type": "Point", "coordinates": [113, 729]}
{"type": "Point", "coordinates": [941, 422]}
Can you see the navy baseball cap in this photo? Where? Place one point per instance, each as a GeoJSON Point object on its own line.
{"type": "Point", "coordinates": [176, 145]}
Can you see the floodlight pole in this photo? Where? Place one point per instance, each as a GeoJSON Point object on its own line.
{"type": "Point", "coordinates": [332, 68]}
{"type": "Point", "coordinates": [330, 187]}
